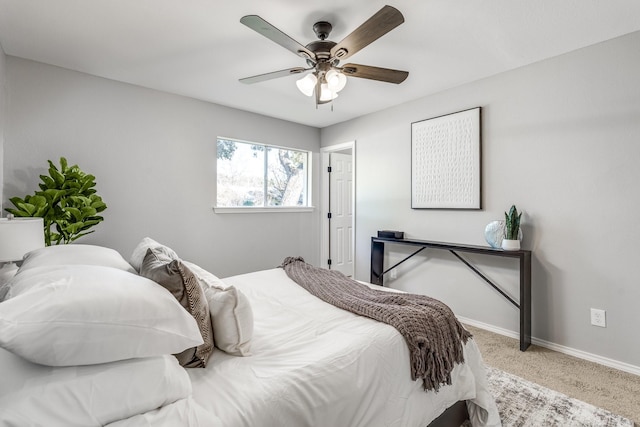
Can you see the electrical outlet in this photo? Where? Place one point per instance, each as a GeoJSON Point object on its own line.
{"type": "Point", "coordinates": [394, 273]}
{"type": "Point", "coordinates": [598, 317]}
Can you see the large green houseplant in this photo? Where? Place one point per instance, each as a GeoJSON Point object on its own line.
{"type": "Point", "coordinates": [67, 202]}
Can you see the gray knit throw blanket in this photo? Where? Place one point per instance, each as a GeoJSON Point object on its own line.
{"type": "Point", "coordinates": [433, 334]}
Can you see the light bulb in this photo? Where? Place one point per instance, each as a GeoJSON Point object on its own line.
{"type": "Point", "coordinates": [307, 84]}
{"type": "Point", "coordinates": [326, 94]}
{"type": "Point", "coordinates": [335, 80]}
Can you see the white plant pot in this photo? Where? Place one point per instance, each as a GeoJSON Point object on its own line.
{"type": "Point", "coordinates": [511, 245]}
{"type": "Point", "coordinates": [494, 233]}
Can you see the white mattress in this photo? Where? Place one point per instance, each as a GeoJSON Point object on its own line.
{"type": "Point", "coordinates": [316, 365]}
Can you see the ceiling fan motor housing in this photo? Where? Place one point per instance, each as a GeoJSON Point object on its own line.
{"type": "Point", "coordinates": [322, 49]}
{"type": "Point", "coordinates": [322, 29]}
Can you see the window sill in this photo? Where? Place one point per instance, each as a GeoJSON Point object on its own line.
{"type": "Point", "coordinates": [273, 209]}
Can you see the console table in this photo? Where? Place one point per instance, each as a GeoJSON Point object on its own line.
{"type": "Point", "coordinates": [524, 257]}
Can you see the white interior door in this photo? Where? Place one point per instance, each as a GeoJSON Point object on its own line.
{"type": "Point", "coordinates": [341, 209]}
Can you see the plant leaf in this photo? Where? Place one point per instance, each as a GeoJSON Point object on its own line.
{"type": "Point", "coordinates": [63, 163]}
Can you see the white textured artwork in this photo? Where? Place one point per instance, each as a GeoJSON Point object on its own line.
{"type": "Point", "coordinates": [445, 161]}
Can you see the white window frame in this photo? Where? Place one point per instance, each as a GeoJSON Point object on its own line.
{"type": "Point", "coordinates": [266, 209]}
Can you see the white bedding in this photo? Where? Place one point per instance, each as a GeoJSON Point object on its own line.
{"type": "Point", "coordinates": [311, 364]}
{"type": "Point", "coordinates": [86, 396]}
{"type": "Point", "coordinates": [315, 365]}
{"type": "Point", "coordinates": [184, 412]}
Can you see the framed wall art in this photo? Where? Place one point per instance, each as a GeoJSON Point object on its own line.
{"type": "Point", "coordinates": [445, 162]}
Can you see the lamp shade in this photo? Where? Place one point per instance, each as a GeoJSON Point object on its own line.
{"type": "Point", "coordinates": [307, 84]}
{"type": "Point", "coordinates": [326, 94]}
{"type": "Point", "coordinates": [19, 236]}
{"type": "Point", "coordinates": [335, 80]}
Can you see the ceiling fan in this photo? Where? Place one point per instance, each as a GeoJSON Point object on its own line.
{"type": "Point", "coordinates": [323, 56]}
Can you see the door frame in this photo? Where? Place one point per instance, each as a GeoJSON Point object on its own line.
{"type": "Point", "coordinates": [324, 200]}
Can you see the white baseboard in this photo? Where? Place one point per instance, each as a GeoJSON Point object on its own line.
{"type": "Point", "coordinates": [622, 366]}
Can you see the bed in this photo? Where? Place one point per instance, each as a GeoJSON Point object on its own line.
{"type": "Point", "coordinates": [87, 339]}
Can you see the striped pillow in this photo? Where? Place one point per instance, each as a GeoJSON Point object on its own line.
{"type": "Point", "coordinates": [174, 276]}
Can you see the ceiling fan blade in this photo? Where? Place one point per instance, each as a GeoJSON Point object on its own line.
{"type": "Point", "coordinates": [261, 26]}
{"type": "Point", "coordinates": [273, 75]}
{"type": "Point", "coordinates": [385, 20]}
{"type": "Point", "coordinates": [375, 73]}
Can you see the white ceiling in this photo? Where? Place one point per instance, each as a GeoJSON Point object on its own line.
{"type": "Point", "coordinates": [198, 48]}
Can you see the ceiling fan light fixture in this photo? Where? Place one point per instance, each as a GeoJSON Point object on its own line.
{"type": "Point", "coordinates": [336, 81]}
{"type": "Point", "coordinates": [307, 84]}
{"type": "Point", "coordinates": [326, 94]}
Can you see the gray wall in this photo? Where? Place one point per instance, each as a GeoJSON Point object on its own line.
{"type": "Point", "coordinates": [561, 140]}
{"type": "Point", "coordinates": [154, 158]}
{"type": "Point", "coordinates": [3, 98]}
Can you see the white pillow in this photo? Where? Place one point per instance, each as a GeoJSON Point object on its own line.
{"type": "Point", "coordinates": [82, 315]}
{"type": "Point", "coordinates": [74, 254]}
{"type": "Point", "coordinates": [88, 396]}
{"type": "Point", "coordinates": [231, 313]}
{"type": "Point", "coordinates": [141, 250]}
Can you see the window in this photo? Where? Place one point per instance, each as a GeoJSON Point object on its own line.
{"type": "Point", "coordinates": [252, 175]}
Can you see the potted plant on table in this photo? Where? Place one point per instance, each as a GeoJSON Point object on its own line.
{"type": "Point", "coordinates": [511, 230]}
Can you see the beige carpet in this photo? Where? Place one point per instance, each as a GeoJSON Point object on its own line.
{"type": "Point", "coordinates": [616, 391]}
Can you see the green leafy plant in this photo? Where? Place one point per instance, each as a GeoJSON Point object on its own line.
{"type": "Point", "coordinates": [67, 202]}
{"type": "Point", "coordinates": [512, 223]}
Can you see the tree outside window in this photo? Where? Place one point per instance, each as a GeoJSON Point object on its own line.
{"type": "Point", "coordinates": [259, 175]}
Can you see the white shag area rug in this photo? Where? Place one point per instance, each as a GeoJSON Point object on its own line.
{"type": "Point", "coordinates": [523, 403]}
